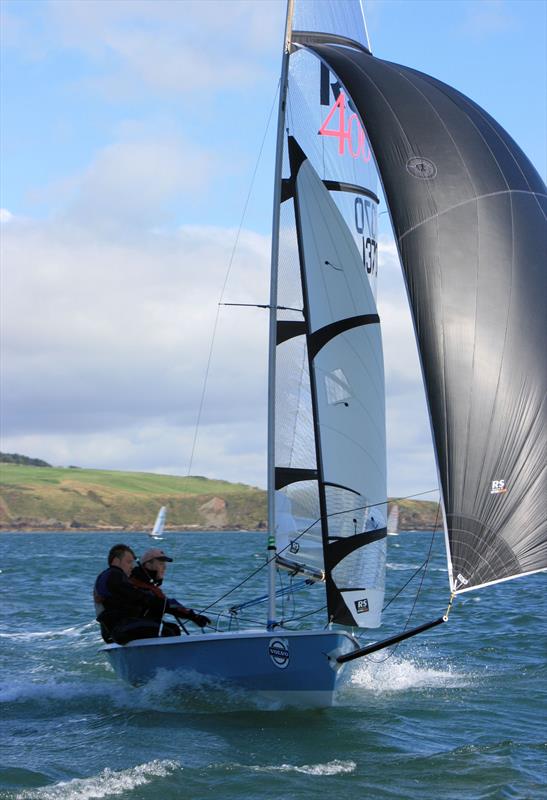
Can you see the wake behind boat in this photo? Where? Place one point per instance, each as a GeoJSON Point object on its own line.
{"type": "Point", "coordinates": [468, 210]}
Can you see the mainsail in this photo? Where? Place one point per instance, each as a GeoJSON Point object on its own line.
{"type": "Point", "coordinates": [329, 444]}
{"type": "Point", "coordinates": [469, 214]}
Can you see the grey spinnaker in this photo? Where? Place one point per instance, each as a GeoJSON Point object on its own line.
{"type": "Point", "coordinates": [469, 215]}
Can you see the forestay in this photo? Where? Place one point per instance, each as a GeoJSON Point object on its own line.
{"type": "Point", "coordinates": [469, 213]}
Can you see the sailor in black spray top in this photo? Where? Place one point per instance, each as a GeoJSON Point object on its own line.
{"type": "Point", "coordinates": [123, 611]}
{"type": "Point", "coordinates": [149, 574]}
{"type": "Point", "coordinates": [133, 609]}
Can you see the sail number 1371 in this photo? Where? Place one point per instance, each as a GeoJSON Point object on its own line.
{"type": "Point", "coordinates": [365, 222]}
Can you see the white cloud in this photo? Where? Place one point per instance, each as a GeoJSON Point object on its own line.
{"type": "Point", "coordinates": [5, 215]}
{"type": "Point", "coordinates": [411, 465]}
{"type": "Point", "coordinates": [105, 345]}
{"type": "Point", "coordinates": [131, 182]}
{"type": "Point", "coordinates": [182, 47]}
{"type": "Point", "coordinates": [103, 341]}
{"type": "Point", "coordinates": [487, 18]}
{"type": "Point", "coordinates": [232, 451]}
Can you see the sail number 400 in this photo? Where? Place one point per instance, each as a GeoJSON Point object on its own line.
{"type": "Point", "coordinates": [353, 135]}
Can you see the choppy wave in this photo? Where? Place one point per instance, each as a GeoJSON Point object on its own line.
{"type": "Point", "coordinates": [58, 690]}
{"type": "Point", "coordinates": [401, 567]}
{"type": "Point", "coordinates": [190, 691]}
{"type": "Point", "coordinates": [107, 783]}
{"type": "Point", "coordinates": [76, 630]}
{"type": "Point", "coordinates": [67, 717]}
{"type": "Point", "coordinates": [335, 767]}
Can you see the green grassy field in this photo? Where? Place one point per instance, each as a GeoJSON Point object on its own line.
{"type": "Point", "coordinates": [36, 497]}
{"type": "Point", "coordinates": [139, 482]}
{"type": "Point", "coordinates": [58, 498]}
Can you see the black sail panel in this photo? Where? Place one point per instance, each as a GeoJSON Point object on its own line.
{"type": "Point", "coordinates": [469, 214]}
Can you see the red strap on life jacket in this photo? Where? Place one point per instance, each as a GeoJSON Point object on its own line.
{"type": "Point", "coordinates": [148, 586]}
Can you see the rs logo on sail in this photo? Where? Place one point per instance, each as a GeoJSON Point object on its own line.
{"type": "Point", "coordinates": [361, 605]}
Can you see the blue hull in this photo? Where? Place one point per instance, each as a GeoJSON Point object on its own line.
{"type": "Point", "coordinates": [292, 666]}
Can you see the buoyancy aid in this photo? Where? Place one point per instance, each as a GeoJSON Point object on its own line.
{"type": "Point", "coordinates": [143, 579]}
{"type": "Point", "coordinates": [151, 587]}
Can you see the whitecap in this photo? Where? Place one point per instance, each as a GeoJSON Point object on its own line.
{"type": "Point", "coordinates": [106, 784]}
{"type": "Point", "coordinates": [76, 630]}
{"type": "Point", "coordinates": [335, 767]}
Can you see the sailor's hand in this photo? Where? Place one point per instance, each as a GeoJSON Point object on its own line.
{"type": "Point", "coordinates": [182, 613]}
{"type": "Point", "coordinates": [201, 620]}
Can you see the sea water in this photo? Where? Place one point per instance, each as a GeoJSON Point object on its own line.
{"type": "Point", "coordinates": [458, 712]}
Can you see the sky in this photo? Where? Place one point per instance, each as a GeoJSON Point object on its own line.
{"type": "Point", "coordinates": [130, 133]}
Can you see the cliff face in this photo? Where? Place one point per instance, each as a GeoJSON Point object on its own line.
{"type": "Point", "coordinates": [51, 498]}
{"type": "Point", "coordinates": [419, 515]}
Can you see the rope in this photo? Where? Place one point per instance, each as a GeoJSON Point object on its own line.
{"type": "Point", "coordinates": [426, 562]}
{"type": "Point", "coordinates": [215, 325]}
{"type": "Point", "coordinates": [403, 587]}
{"type": "Point", "coordinates": [449, 607]}
{"type": "Point", "coordinates": [334, 514]}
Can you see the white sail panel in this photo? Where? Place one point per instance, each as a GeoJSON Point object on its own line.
{"type": "Point", "coordinates": [344, 345]}
{"type": "Point", "coordinates": [322, 119]}
{"type": "Point", "coordinates": [297, 510]}
{"type": "Point", "coordinates": [342, 18]}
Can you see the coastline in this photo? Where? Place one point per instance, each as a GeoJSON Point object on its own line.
{"type": "Point", "coordinates": [117, 529]}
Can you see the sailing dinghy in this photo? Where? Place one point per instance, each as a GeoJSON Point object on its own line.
{"type": "Point", "coordinates": [469, 215]}
{"type": "Point", "coordinates": [159, 524]}
{"type": "Point", "coordinates": [393, 521]}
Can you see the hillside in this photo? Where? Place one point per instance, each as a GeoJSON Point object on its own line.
{"type": "Point", "coordinates": [58, 498]}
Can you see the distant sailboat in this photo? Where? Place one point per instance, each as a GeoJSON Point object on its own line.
{"type": "Point", "coordinates": [393, 521]}
{"type": "Point", "coordinates": [468, 211]}
{"type": "Point", "coordinates": [157, 530]}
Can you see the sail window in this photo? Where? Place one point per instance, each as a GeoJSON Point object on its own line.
{"type": "Point", "coordinates": [337, 388]}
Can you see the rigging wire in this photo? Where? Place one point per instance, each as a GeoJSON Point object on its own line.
{"type": "Point", "coordinates": [393, 650]}
{"type": "Point", "coordinates": [303, 616]}
{"type": "Point", "coordinates": [230, 262]}
{"type": "Point", "coordinates": [334, 514]}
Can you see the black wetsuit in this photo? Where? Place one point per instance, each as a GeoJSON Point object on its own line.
{"type": "Point", "coordinates": [126, 612]}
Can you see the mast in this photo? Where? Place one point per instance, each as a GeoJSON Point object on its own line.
{"type": "Point", "coordinates": [273, 316]}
